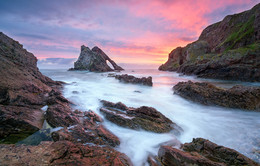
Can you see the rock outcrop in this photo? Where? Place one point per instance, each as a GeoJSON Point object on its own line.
{"type": "Point", "coordinates": [23, 92]}
{"type": "Point", "coordinates": [202, 152]}
{"type": "Point", "coordinates": [226, 50]}
{"type": "Point", "coordinates": [134, 80]}
{"type": "Point", "coordinates": [94, 60]}
{"type": "Point", "coordinates": [29, 102]}
{"type": "Point", "coordinates": [87, 130]}
{"type": "Point", "coordinates": [238, 96]}
{"type": "Point", "coordinates": [146, 118]}
{"type": "Point", "coordinates": [61, 153]}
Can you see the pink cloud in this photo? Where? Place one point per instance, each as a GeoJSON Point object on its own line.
{"type": "Point", "coordinates": [129, 31]}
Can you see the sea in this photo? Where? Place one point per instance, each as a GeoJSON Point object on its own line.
{"type": "Point", "coordinates": [233, 128]}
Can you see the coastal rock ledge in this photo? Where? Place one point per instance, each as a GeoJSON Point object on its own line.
{"type": "Point", "coordinates": [94, 60]}
{"type": "Point", "coordinates": [134, 80]}
{"type": "Point", "coordinates": [202, 152]}
{"type": "Point", "coordinates": [146, 118]}
{"type": "Point", "coordinates": [238, 96]}
{"type": "Point", "coordinates": [61, 153]}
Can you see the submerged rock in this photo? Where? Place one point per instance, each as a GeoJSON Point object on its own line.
{"type": "Point", "coordinates": [134, 80]}
{"type": "Point", "coordinates": [202, 152]}
{"type": "Point", "coordinates": [94, 60]}
{"type": "Point", "coordinates": [146, 118]}
{"type": "Point", "coordinates": [61, 153]}
{"type": "Point", "coordinates": [238, 96]}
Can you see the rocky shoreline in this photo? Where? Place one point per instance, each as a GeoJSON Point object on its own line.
{"type": "Point", "coordinates": [227, 50]}
{"type": "Point", "coordinates": [134, 80]}
{"type": "Point", "coordinates": [29, 99]}
{"type": "Point", "coordinates": [241, 97]}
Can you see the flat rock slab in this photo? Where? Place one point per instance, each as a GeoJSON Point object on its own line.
{"type": "Point", "coordinates": [238, 96]}
{"type": "Point", "coordinates": [146, 118]}
{"type": "Point", "coordinates": [61, 153]}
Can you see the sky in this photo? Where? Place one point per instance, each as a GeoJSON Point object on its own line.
{"type": "Point", "coordinates": [134, 32]}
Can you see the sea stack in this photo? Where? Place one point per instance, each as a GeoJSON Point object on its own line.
{"type": "Point", "coordinates": [94, 60]}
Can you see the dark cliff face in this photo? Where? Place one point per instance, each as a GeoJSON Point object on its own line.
{"type": "Point", "coordinates": [228, 49]}
{"type": "Point", "coordinates": [23, 91]}
{"type": "Point", "coordinates": [94, 60]}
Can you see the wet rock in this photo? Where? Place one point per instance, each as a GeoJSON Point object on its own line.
{"type": "Point", "coordinates": [174, 157]}
{"type": "Point", "coordinates": [111, 75]}
{"type": "Point", "coordinates": [60, 116]}
{"type": "Point", "coordinates": [87, 130]}
{"type": "Point", "coordinates": [78, 112]}
{"type": "Point", "coordinates": [37, 137]}
{"type": "Point", "coordinates": [134, 80]}
{"type": "Point", "coordinates": [153, 161]}
{"type": "Point", "coordinates": [146, 118]}
{"type": "Point", "coordinates": [94, 60]}
{"type": "Point", "coordinates": [61, 153]}
{"type": "Point", "coordinates": [18, 123]}
{"type": "Point", "coordinates": [202, 152]}
{"type": "Point", "coordinates": [93, 117]}
{"type": "Point", "coordinates": [23, 92]}
{"type": "Point", "coordinates": [239, 96]}
{"type": "Point", "coordinates": [75, 92]}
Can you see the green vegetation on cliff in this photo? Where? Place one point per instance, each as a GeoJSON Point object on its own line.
{"type": "Point", "coordinates": [240, 32]}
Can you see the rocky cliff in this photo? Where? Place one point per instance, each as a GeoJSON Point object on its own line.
{"type": "Point", "coordinates": [23, 92]}
{"type": "Point", "coordinates": [228, 50]}
{"type": "Point", "coordinates": [29, 101]}
{"type": "Point", "coordinates": [94, 60]}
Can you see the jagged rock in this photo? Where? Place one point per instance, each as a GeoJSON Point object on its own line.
{"type": "Point", "coordinates": [19, 122]}
{"type": "Point", "coordinates": [61, 153]}
{"type": "Point", "coordinates": [60, 115]}
{"type": "Point", "coordinates": [87, 130]}
{"type": "Point", "coordinates": [94, 60]}
{"type": "Point", "coordinates": [134, 80]}
{"type": "Point", "coordinates": [202, 152]}
{"type": "Point", "coordinates": [226, 50]}
{"type": "Point", "coordinates": [146, 118]}
{"type": "Point", "coordinates": [23, 92]}
{"type": "Point", "coordinates": [238, 96]}
{"type": "Point", "coordinates": [153, 161]}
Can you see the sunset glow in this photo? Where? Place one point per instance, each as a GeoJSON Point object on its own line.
{"type": "Point", "coordinates": [128, 31]}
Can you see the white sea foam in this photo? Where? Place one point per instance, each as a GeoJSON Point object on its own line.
{"type": "Point", "coordinates": [236, 129]}
{"type": "Point", "coordinates": [44, 108]}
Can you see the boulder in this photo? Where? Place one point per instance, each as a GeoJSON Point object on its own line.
{"type": "Point", "coordinates": [94, 60]}
{"type": "Point", "coordinates": [60, 115]}
{"type": "Point", "coordinates": [134, 80]}
{"type": "Point", "coordinates": [238, 96]}
{"type": "Point", "coordinates": [202, 152]}
{"type": "Point", "coordinates": [61, 153]}
{"type": "Point", "coordinates": [88, 129]}
{"type": "Point", "coordinates": [146, 118]}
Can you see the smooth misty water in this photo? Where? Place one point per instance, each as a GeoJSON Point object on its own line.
{"type": "Point", "coordinates": [233, 128]}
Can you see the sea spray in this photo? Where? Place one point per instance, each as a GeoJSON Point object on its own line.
{"type": "Point", "coordinates": [233, 128]}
